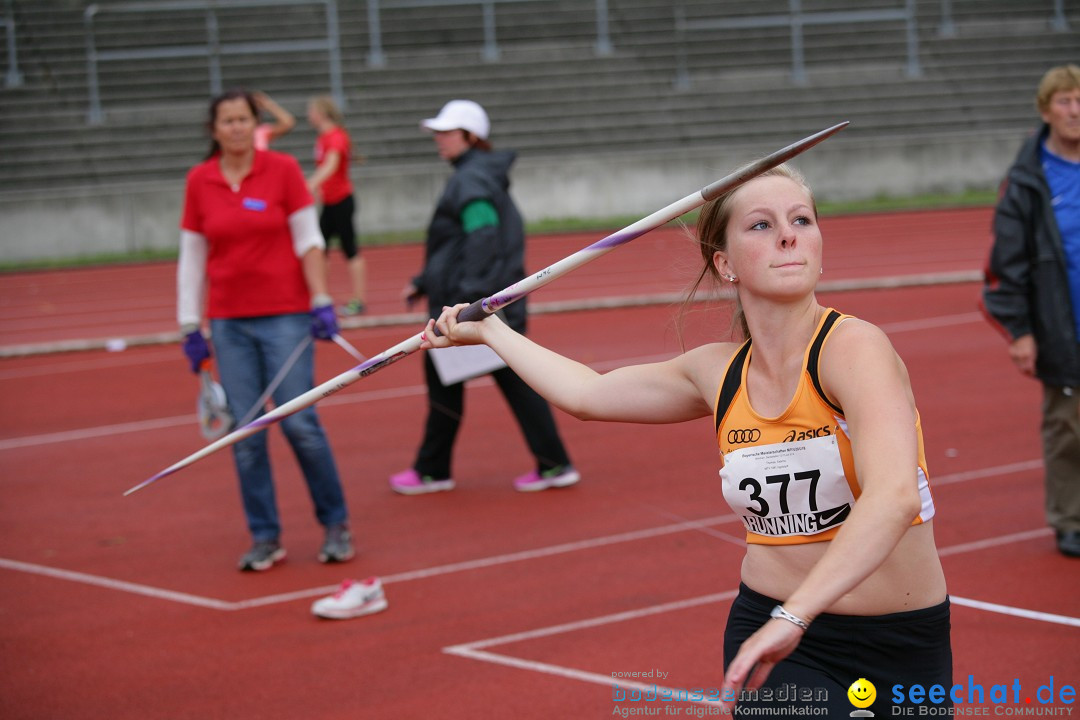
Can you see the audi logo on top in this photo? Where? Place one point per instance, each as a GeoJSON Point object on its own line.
{"type": "Point", "coordinates": [740, 436]}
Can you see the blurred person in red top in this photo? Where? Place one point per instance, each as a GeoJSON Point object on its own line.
{"type": "Point", "coordinates": [284, 122]}
{"type": "Point", "coordinates": [330, 181]}
{"type": "Point", "coordinates": [253, 261]}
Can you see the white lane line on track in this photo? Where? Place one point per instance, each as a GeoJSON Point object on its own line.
{"type": "Point", "coordinates": [96, 432]}
{"type": "Point", "coordinates": [514, 557]}
{"type": "Point", "coordinates": [177, 420]}
{"type": "Point", "coordinates": [1016, 612]}
{"type": "Point", "coordinates": [537, 308]}
{"type": "Point", "coordinates": [602, 620]}
{"type": "Point", "coordinates": [476, 650]}
{"type": "Point", "coordinates": [942, 321]}
{"type": "Point", "coordinates": [464, 566]}
{"type": "Point", "coordinates": [473, 650]}
{"type": "Point", "coordinates": [994, 542]}
{"type": "Point", "coordinates": [167, 422]}
{"type": "Point", "coordinates": [1016, 467]}
{"type": "Point", "coordinates": [931, 323]}
{"type": "Point", "coordinates": [97, 362]}
{"type": "Point", "coordinates": [121, 585]}
{"type": "Point", "coordinates": [186, 598]}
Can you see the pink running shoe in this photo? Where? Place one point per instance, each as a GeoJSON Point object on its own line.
{"type": "Point", "coordinates": [410, 482]}
{"type": "Point", "coordinates": [353, 599]}
{"type": "Point", "coordinates": [562, 476]}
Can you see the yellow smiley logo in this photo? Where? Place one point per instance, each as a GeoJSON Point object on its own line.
{"type": "Point", "coordinates": [862, 693]}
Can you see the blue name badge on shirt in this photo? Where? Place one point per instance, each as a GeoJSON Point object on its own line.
{"type": "Point", "coordinates": [254, 204]}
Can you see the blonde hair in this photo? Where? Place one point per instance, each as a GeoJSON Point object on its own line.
{"type": "Point", "coordinates": [1057, 79]}
{"type": "Point", "coordinates": [326, 105]}
{"type": "Point", "coordinates": [712, 227]}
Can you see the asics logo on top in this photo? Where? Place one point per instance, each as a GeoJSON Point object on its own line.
{"type": "Point", "coordinates": [797, 435]}
{"type": "Point", "coordinates": [739, 436]}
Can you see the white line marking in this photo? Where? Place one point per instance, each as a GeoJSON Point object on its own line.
{"type": "Point", "coordinates": [702, 525]}
{"type": "Point", "coordinates": [158, 424]}
{"type": "Point", "coordinates": [373, 396]}
{"type": "Point", "coordinates": [1016, 612]}
{"type": "Point", "coordinates": [474, 651]}
{"type": "Point", "coordinates": [188, 599]}
{"type": "Point", "coordinates": [545, 668]}
{"type": "Point", "coordinates": [994, 542]}
{"type": "Point", "coordinates": [286, 597]}
{"type": "Point", "coordinates": [537, 308]}
{"type": "Point", "coordinates": [510, 558]}
{"type": "Point", "coordinates": [83, 364]}
{"type": "Point", "coordinates": [575, 674]}
{"type": "Point", "coordinates": [1016, 467]}
{"type": "Point", "coordinates": [739, 540]}
{"type": "Point", "coordinates": [932, 323]}
{"type": "Point", "coordinates": [135, 588]}
{"type": "Point", "coordinates": [95, 432]}
{"type": "Point", "coordinates": [602, 620]}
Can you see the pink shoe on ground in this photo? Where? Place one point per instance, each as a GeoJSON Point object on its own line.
{"type": "Point", "coordinates": [562, 476]}
{"type": "Point", "coordinates": [410, 482]}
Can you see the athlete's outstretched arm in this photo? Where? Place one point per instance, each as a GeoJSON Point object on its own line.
{"type": "Point", "coordinates": [664, 392]}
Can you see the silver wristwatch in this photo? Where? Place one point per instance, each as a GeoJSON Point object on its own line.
{"type": "Point", "coordinates": [780, 612]}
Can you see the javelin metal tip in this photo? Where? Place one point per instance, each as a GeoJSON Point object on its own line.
{"type": "Point", "coordinates": [768, 162]}
{"type": "Point", "coordinates": [137, 487]}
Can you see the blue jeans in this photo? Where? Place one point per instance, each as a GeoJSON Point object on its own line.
{"type": "Point", "coordinates": [250, 352]}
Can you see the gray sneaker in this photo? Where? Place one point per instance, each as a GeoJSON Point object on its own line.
{"type": "Point", "coordinates": [262, 555]}
{"type": "Point", "coordinates": [338, 545]}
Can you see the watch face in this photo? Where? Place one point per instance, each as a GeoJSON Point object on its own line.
{"type": "Point", "coordinates": [780, 612]}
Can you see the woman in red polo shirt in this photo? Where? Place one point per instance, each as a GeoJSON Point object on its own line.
{"type": "Point", "coordinates": [253, 261]}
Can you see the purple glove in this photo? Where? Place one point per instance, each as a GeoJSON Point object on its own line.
{"type": "Point", "coordinates": [196, 349]}
{"type": "Point", "coordinates": [324, 322]}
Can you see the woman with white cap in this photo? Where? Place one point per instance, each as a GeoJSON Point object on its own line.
{"type": "Point", "coordinates": [475, 247]}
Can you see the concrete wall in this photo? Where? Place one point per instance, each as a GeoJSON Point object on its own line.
{"type": "Point", "coordinates": [122, 219]}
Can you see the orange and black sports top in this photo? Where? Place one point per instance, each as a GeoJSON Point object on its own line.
{"type": "Point", "coordinates": [792, 478]}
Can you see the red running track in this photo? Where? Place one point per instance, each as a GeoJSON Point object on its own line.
{"type": "Point", "coordinates": [502, 605]}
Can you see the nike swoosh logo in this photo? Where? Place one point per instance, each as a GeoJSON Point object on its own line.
{"type": "Point", "coordinates": [829, 517]}
{"type": "Point", "coordinates": [826, 519]}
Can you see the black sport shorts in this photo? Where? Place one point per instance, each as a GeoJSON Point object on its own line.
{"type": "Point", "coordinates": [337, 221]}
{"type": "Point", "coordinates": [905, 649]}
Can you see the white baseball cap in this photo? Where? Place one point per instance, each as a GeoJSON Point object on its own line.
{"type": "Point", "coordinates": [460, 115]}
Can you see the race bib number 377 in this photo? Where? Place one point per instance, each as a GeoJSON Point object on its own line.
{"type": "Point", "coordinates": [796, 488]}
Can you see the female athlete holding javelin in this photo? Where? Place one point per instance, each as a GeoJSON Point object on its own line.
{"type": "Point", "coordinates": [822, 457]}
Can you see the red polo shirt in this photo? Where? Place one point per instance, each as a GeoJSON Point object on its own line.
{"type": "Point", "coordinates": [251, 266]}
{"type": "Point", "coordinates": [337, 187]}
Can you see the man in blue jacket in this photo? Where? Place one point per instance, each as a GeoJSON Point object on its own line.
{"type": "Point", "coordinates": [1033, 286]}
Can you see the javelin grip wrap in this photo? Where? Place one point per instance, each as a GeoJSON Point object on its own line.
{"type": "Point", "coordinates": [473, 313]}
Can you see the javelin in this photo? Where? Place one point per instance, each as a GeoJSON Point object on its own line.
{"type": "Point", "coordinates": [486, 306]}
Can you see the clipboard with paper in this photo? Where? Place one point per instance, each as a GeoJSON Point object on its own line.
{"type": "Point", "coordinates": [464, 362]}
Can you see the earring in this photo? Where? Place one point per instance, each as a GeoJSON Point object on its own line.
{"type": "Point", "coordinates": [821, 271]}
{"type": "Point", "coordinates": [731, 278]}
